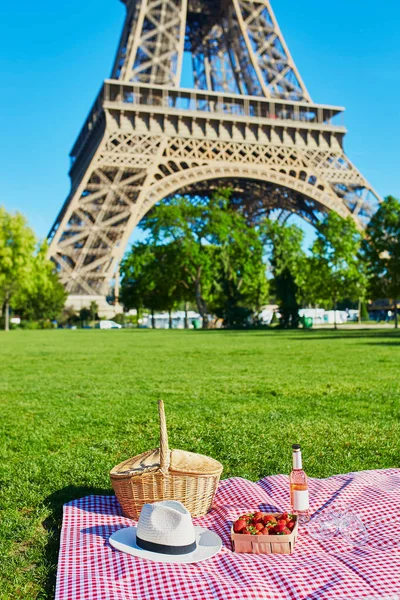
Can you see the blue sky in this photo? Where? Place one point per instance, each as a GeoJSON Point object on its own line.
{"type": "Point", "coordinates": [54, 56]}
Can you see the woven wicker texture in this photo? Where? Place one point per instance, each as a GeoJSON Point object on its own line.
{"type": "Point", "coordinates": [164, 474]}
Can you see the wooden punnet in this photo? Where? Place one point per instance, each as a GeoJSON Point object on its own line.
{"type": "Point", "coordinates": [164, 474]}
{"type": "Point", "coordinates": [265, 544]}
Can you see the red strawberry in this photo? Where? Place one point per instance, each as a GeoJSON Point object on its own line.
{"type": "Point", "coordinates": [290, 524]}
{"type": "Point", "coordinates": [286, 531]}
{"type": "Point", "coordinates": [246, 532]}
{"type": "Point", "coordinates": [259, 526]}
{"type": "Point", "coordinates": [258, 533]}
{"type": "Point", "coordinates": [281, 525]}
{"type": "Point", "coordinates": [269, 517]}
{"type": "Point", "coordinates": [246, 518]}
{"type": "Point", "coordinates": [284, 516]}
{"type": "Point", "coordinates": [265, 531]}
{"type": "Point", "coordinates": [258, 516]}
{"type": "Point", "coordinates": [239, 525]}
{"type": "Point", "coordinates": [272, 530]}
{"type": "Point", "coordinates": [251, 529]}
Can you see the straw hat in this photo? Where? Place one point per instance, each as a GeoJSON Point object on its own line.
{"type": "Point", "coordinates": [165, 533]}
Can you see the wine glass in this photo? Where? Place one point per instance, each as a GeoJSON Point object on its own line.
{"type": "Point", "coordinates": [353, 529]}
{"type": "Point", "coordinates": [338, 519]}
{"type": "Point", "coordinates": [323, 526]}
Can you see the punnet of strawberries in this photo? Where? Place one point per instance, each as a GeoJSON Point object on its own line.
{"type": "Point", "coordinates": [260, 523]}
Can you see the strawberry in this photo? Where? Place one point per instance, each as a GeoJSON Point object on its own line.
{"type": "Point", "coordinates": [269, 517]}
{"type": "Point", "coordinates": [247, 517]}
{"type": "Point", "coordinates": [265, 531]}
{"type": "Point", "coordinates": [272, 531]}
{"type": "Point", "coordinates": [239, 525]}
{"type": "Point", "coordinates": [290, 524]}
{"type": "Point", "coordinates": [281, 525]}
{"type": "Point", "coordinates": [246, 532]}
{"type": "Point", "coordinates": [286, 531]}
{"type": "Point", "coordinates": [284, 515]}
{"type": "Point", "coordinates": [251, 529]}
{"type": "Point", "coordinates": [259, 533]}
{"type": "Point", "coordinates": [259, 526]}
{"type": "Point", "coordinates": [258, 516]}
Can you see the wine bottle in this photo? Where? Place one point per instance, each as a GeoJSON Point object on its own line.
{"type": "Point", "coordinates": [299, 487]}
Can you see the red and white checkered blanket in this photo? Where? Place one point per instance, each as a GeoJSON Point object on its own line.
{"type": "Point", "coordinates": [89, 568]}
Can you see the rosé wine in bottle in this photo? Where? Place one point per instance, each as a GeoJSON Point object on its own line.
{"type": "Point", "coordinates": [299, 487]}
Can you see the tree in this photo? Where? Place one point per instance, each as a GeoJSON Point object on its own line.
{"type": "Point", "coordinates": [94, 309]}
{"type": "Point", "coordinates": [17, 245]}
{"type": "Point", "coordinates": [167, 275]}
{"type": "Point", "coordinates": [150, 278]}
{"type": "Point", "coordinates": [84, 315]}
{"type": "Point", "coordinates": [335, 260]}
{"type": "Point", "coordinates": [382, 252]}
{"type": "Point", "coordinates": [240, 287]}
{"type": "Point", "coordinates": [363, 314]}
{"type": "Point", "coordinates": [41, 296]}
{"type": "Point", "coordinates": [218, 256]}
{"type": "Point", "coordinates": [135, 281]}
{"type": "Point", "coordinates": [288, 263]}
{"type": "Point", "coordinates": [190, 226]}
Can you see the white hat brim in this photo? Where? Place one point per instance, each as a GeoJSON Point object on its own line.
{"type": "Point", "coordinates": [208, 544]}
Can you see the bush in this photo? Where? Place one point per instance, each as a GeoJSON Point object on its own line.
{"type": "Point", "coordinates": [119, 318]}
{"type": "Point", "coordinates": [46, 324]}
{"type": "Point", "coordinates": [30, 325]}
{"type": "Point", "coordinates": [68, 317]}
{"type": "Point", "coordinates": [237, 317]}
{"type": "Point", "coordinates": [42, 324]}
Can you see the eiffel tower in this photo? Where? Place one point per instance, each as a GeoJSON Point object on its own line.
{"type": "Point", "coordinates": [248, 122]}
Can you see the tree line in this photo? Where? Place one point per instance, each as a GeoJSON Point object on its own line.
{"type": "Point", "coordinates": [205, 252]}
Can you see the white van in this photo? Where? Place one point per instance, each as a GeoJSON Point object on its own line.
{"type": "Point", "coordinates": [108, 325]}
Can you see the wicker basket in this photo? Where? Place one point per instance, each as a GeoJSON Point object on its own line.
{"type": "Point", "coordinates": [164, 474]}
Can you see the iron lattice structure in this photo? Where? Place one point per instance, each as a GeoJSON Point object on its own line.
{"type": "Point", "coordinates": [248, 120]}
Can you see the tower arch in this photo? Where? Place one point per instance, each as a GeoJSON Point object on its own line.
{"type": "Point", "coordinates": [323, 200]}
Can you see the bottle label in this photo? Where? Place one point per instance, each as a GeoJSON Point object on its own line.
{"type": "Point", "coordinates": [300, 500]}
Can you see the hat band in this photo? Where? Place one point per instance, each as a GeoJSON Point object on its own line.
{"type": "Point", "coordinates": [164, 549]}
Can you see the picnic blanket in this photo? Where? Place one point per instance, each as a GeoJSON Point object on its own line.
{"type": "Point", "coordinates": [89, 568]}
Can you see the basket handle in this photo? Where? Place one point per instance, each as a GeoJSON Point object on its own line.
{"type": "Point", "coordinates": [164, 449]}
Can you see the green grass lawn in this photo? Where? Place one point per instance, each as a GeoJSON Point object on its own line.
{"type": "Point", "coordinates": [75, 403]}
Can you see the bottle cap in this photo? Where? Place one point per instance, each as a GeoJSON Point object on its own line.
{"type": "Point", "coordinates": [296, 446]}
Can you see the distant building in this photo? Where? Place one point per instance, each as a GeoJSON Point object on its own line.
{"type": "Point", "coordinates": [161, 320]}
